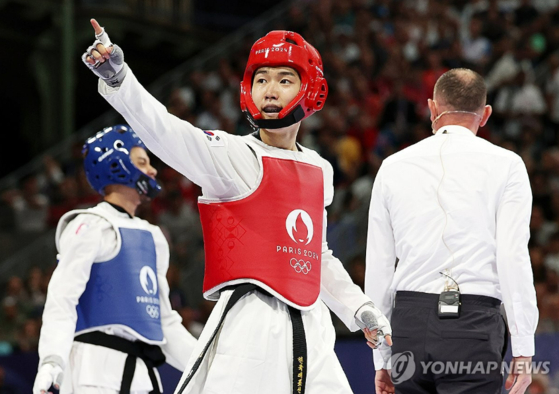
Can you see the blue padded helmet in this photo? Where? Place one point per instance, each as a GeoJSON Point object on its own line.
{"type": "Point", "coordinates": [107, 161]}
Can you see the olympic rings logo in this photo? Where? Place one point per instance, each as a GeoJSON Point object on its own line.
{"type": "Point", "coordinates": [300, 266]}
{"type": "Point", "coordinates": [153, 311]}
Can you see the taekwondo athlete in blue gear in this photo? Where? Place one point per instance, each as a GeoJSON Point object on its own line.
{"type": "Point", "coordinates": [108, 321]}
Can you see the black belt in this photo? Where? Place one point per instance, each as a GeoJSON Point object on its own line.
{"type": "Point", "coordinates": [299, 341]}
{"type": "Point", "coordinates": [417, 298]}
{"type": "Point", "coordinates": [150, 354]}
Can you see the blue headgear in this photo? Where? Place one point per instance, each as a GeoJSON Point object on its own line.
{"type": "Point", "coordinates": [107, 161]}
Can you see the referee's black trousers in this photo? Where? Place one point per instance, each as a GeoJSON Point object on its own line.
{"type": "Point", "coordinates": [458, 356]}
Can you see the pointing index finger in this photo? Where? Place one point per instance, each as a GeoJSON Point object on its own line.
{"type": "Point", "coordinates": [98, 29]}
{"type": "Point", "coordinates": [101, 34]}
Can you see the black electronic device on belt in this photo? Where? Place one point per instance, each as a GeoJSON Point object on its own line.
{"type": "Point", "coordinates": [449, 302]}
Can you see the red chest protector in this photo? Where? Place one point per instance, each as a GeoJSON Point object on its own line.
{"type": "Point", "coordinates": [272, 237]}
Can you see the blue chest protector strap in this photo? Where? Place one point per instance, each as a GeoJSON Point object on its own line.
{"type": "Point", "coordinates": [150, 354]}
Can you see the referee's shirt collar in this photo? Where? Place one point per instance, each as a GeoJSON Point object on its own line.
{"type": "Point", "coordinates": [460, 130]}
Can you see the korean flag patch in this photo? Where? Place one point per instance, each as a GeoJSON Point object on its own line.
{"type": "Point", "coordinates": [214, 139]}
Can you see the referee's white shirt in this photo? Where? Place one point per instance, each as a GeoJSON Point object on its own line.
{"type": "Point", "coordinates": [453, 201]}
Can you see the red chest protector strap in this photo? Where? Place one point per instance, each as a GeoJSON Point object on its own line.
{"type": "Point", "coordinates": [272, 237]}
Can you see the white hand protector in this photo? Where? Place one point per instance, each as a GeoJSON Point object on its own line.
{"type": "Point", "coordinates": [112, 70]}
{"type": "Point", "coordinates": [371, 318]}
{"type": "Point", "coordinates": [50, 374]}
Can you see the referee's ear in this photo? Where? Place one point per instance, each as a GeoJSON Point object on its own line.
{"type": "Point", "coordinates": [432, 108]}
{"type": "Point", "coordinates": [487, 111]}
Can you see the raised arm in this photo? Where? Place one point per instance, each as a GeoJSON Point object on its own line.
{"type": "Point", "coordinates": [200, 156]}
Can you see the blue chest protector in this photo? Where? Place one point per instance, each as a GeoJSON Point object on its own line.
{"type": "Point", "coordinates": [124, 290]}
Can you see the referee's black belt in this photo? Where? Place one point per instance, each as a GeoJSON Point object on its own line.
{"type": "Point", "coordinates": [416, 298]}
{"type": "Point", "coordinates": [150, 354]}
{"type": "Point", "coordinates": [299, 340]}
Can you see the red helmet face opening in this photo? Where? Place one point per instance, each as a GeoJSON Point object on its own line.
{"type": "Point", "coordinates": [281, 48]}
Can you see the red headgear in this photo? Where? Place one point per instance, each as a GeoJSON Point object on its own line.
{"type": "Point", "coordinates": [285, 48]}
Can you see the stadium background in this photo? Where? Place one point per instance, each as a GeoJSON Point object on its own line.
{"type": "Point", "coordinates": [382, 58]}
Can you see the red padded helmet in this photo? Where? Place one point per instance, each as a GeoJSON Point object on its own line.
{"type": "Point", "coordinates": [288, 49]}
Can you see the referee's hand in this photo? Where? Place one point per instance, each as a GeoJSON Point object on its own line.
{"type": "Point", "coordinates": [383, 383]}
{"type": "Point", "coordinates": [520, 375]}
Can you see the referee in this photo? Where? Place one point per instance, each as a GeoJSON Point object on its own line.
{"type": "Point", "coordinates": [447, 244]}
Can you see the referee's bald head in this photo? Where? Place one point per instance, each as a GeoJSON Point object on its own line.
{"type": "Point", "coordinates": [461, 89]}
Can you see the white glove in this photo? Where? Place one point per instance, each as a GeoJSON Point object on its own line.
{"type": "Point", "coordinates": [50, 374]}
{"type": "Point", "coordinates": [371, 318]}
{"type": "Point", "coordinates": [112, 70]}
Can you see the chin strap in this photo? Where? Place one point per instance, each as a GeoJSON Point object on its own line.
{"type": "Point", "coordinates": [294, 117]}
{"type": "Point", "coordinates": [147, 186]}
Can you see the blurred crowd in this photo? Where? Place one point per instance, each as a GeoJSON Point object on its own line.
{"type": "Point", "coordinates": [381, 59]}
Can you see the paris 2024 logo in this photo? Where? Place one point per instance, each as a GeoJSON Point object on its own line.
{"type": "Point", "coordinates": [300, 229]}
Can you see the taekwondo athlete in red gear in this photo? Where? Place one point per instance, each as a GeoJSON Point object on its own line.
{"type": "Point", "coordinates": [108, 321]}
{"type": "Point", "coordinates": [264, 222]}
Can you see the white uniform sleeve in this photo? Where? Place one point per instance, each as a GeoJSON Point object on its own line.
{"type": "Point", "coordinates": [380, 261]}
{"type": "Point", "coordinates": [337, 289]}
{"type": "Point", "coordinates": [513, 260]}
{"type": "Point", "coordinates": [179, 343]}
{"type": "Point", "coordinates": [81, 244]}
{"type": "Point", "coordinates": [201, 158]}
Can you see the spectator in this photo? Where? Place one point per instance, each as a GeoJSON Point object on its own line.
{"type": "Point", "coordinates": [65, 198]}
{"type": "Point", "coordinates": [37, 295]}
{"type": "Point", "coordinates": [28, 336]}
{"type": "Point", "coordinates": [210, 117]}
{"type": "Point", "coordinates": [10, 321]}
{"type": "Point", "coordinates": [434, 68]}
{"type": "Point", "coordinates": [180, 219]}
{"type": "Point", "coordinates": [521, 96]}
{"type": "Point", "coordinates": [50, 176]}
{"type": "Point", "coordinates": [541, 192]}
{"type": "Point", "coordinates": [552, 257]}
{"type": "Point", "coordinates": [399, 113]}
{"type": "Point", "coordinates": [16, 289]}
{"type": "Point", "coordinates": [525, 13]}
{"type": "Point", "coordinates": [476, 47]}
{"type": "Point", "coordinates": [229, 91]}
{"type": "Point", "coordinates": [537, 256]}
{"type": "Point", "coordinates": [349, 157]}
{"type": "Point", "coordinates": [552, 89]}
{"type": "Point", "coordinates": [30, 207]}
{"type": "Point", "coordinates": [506, 64]}
{"type": "Point", "coordinates": [540, 228]}
{"type": "Point", "coordinates": [176, 294]}
{"type": "Point", "coordinates": [181, 102]}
